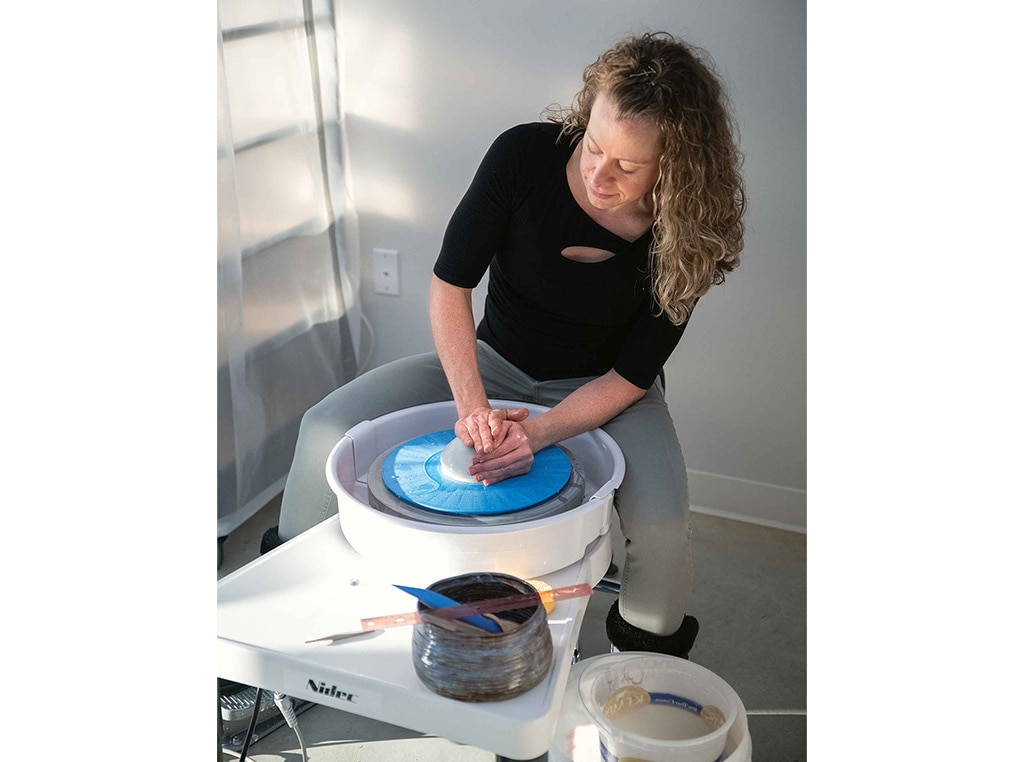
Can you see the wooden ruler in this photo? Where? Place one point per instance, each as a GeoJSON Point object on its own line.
{"type": "Point", "coordinates": [489, 606]}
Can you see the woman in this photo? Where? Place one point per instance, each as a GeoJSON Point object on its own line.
{"type": "Point", "coordinates": [601, 228]}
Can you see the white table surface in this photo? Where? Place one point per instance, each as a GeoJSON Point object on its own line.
{"type": "Point", "coordinates": [316, 585]}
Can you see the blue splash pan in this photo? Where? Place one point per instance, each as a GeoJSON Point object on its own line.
{"type": "Point", "coordinates": [412, 472]}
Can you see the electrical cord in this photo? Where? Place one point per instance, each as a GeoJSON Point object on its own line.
{"type": "Point", "coordinates": [368, 352]}
{"type": "Point", "coordinates": [252, 724]}
{"type": "Point", "coordinates": [284, 703]}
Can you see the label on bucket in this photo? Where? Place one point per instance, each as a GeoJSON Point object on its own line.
{"type": "Point", "coordinates": [624, 700]}
{"type": "Point", "coordinates": [661, 716]}
{"type": "Point", "coordinates": [713, 717]}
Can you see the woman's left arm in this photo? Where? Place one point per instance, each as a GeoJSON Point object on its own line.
{"type": "Point", "coordinates": [589, 407]}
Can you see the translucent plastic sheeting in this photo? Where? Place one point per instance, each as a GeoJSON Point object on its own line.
{"type": "Point", "coordinates": [287, 244]}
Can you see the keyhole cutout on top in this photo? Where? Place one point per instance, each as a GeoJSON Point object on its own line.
{"type": "Point", "coordinates": [586, 254]}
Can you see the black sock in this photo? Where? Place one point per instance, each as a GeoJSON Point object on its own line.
{"type": "Point", "coordinates": [627, 637]}
{"type": "Point", "coordinates": [270, 540]}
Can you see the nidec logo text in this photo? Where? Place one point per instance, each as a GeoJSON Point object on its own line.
{"type": "Point", "coordinates": [331, 692]}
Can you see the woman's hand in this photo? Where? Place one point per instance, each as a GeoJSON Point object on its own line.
{"type": "Point", "coordinates": [513, 456]}
{"type": "Point", "coordinates": [486, 428]}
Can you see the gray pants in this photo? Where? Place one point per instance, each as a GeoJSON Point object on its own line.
{"type": "Point", "coordinates": [652, 502]}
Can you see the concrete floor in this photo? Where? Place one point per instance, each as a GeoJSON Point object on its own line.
{"type": "Point", "coordinates": [750, 597]}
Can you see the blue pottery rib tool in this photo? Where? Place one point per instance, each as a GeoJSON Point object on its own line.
{"type": "Point", "coordinates": [438, 601]}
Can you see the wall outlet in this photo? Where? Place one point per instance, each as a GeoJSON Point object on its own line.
{"type": "Point", "coordinates": [385, 272]}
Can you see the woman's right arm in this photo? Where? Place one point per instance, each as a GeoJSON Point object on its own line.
{"type": "Point", "coordinates": [454, 330]}
{"type": "Point", "coordinates": [473, 235]}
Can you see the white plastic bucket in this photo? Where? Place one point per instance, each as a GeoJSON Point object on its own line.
{"type": "Point", "coordinates": [657, 708]}
{"type": "Point", "coordinates": [576, 736]}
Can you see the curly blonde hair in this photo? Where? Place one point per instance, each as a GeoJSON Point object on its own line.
{"type": "Point", "coordinates": [699, 199]}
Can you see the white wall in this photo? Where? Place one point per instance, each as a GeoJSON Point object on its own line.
{"type": "Point", "coordinates": [430, 83]}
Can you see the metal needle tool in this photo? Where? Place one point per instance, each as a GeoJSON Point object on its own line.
{"type": "Point", "coordinates": [341, 636]}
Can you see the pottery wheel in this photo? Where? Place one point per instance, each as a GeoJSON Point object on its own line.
{"type": "Point", "coordinates": [411, 481]}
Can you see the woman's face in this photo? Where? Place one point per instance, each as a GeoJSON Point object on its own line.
{"type": "Point", "coordinates": [619, 158]}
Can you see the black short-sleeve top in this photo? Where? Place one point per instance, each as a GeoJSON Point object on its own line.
{"type": "Point", "coordinates": [551, 316]}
